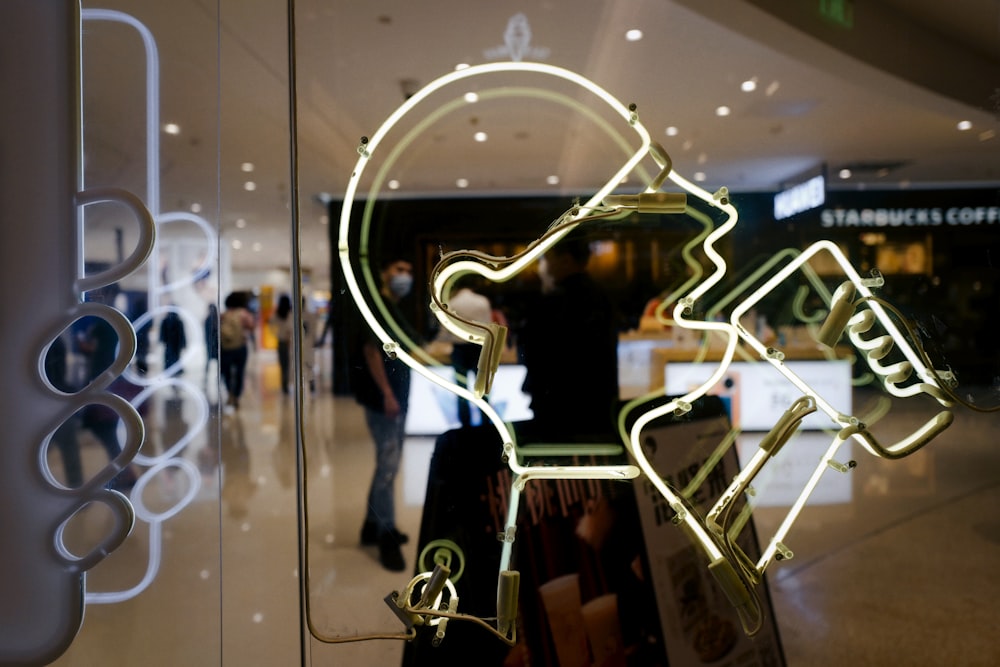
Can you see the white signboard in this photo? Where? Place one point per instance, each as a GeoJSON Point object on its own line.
{"type": "Point", "coordinates": [758, 394]}
{"type": "Point", "coordinates": [781, 481]}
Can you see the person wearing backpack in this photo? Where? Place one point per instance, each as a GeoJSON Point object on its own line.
{"type": "Point", "coordinates": [235, 324]}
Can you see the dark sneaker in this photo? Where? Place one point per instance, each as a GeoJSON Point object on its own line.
{"type": "Point", "coordinates": [369, 535]}
{"type": "Point", "coordinates": [390, 555]}
{"type": "Point", "coordinates": [401, 538]}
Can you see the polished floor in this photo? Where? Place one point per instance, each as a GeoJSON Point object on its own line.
{"type": "Point", "coordinates": [897, 567]}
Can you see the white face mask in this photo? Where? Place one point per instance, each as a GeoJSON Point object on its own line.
{"type": "Point", "coordinates": [400, 285]}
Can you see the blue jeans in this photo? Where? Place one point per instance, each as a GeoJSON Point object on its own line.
{"type": "Point", "coordinates": [388, 434]}
{"type": "Point", "coordinates": [232, 367]}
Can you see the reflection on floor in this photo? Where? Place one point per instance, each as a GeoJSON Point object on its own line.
{"type": "Point", "coordinates": [896, 567]}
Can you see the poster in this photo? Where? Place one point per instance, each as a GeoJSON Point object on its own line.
{"type": "Point", "coordinates": [606, 579]}
{"type": "Point", "coordinates": [698, 624]}
{"type": "Point", "coordinates": [584, 597]}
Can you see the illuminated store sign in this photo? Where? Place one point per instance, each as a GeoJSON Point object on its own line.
{"type": "Point", "coordinates": [800, 198]}
{"type": "Point", "coordinates": [909, 217]}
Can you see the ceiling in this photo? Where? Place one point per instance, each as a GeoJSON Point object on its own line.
{"type": "Point", "coordinates": [881, 93]}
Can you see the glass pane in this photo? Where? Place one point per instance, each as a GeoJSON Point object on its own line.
{"type": "Point", "coordinates": [134, 129]}
{"type": "Point", "coordinates": [168, 380]}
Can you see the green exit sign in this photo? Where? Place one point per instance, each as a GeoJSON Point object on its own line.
{"type": "Point", "coordinates": [840, 12]}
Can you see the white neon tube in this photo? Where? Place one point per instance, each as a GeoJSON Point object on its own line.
{"type": "Point", "coordinates": [793, 513]}
{"type": "Point", "coordinates": [462, 267]}
{"type": "Point", "coordinates": [522, 473]}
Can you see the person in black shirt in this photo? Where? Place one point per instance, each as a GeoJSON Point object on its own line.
{"type": "Point", "coordinates": [382, 385]}
{"type": "Point", "coordinates": [569, 346]}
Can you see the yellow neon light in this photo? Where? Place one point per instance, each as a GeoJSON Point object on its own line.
{"type": "Point", "coordinates": [714, 534]}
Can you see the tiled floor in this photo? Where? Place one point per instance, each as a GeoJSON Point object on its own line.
{"type": "Point", "coordinates": [898, 567]}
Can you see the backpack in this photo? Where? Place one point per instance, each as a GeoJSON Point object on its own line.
{"type": "Point", "coordinates": [231, 330]}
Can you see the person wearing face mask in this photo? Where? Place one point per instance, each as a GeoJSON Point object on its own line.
{"type": "Point", "coordinates": [382, 386]}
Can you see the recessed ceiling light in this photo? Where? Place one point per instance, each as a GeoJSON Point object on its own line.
{"type": "Point", "coordinates": [964, 125]}
{"type": "Point", "coordinates": [196, 207]}
{"type": "Point", "coordinates": [844, 173]}
{"type": "Point", "coordinates": [480, 137]}
{"type": "Point", "coordinates": [247, 167]}
{"type": "Point", "coordinates": [249, 186]}
{"type": "Point", "coordinates": [702, 158]}
{"type": "Point", "coordinates": [722, 111]}
{"type": "Point", "coordinates": [394, 184]}
{"type": "Point", "coordinates": [240, 223]}
{"type": "Point", "coordinates": [462, 182]}
{"type": "Point", "coordinates": [257, 246]}
{"type": "Point", "coordinates": [237, 244]}
{"type": "Point", "coordinates": [172, 128]}
{"type": "Point", "coordinates": [461, 66]}
{"type": "Point", "coordinates": [687, 145]}
{"type": "Point", "coordinates": [699, 176]}
{"type": "Point", "coordinates": [672, 131]}
{"type": "Point", "coordinates": [633, 35]}
{"type": "Point", "coordinates": [471, 97]}
{"type": "Point", "coordinates": [749, 85]}
{"type": "Point", "coordinates": [552, 180]}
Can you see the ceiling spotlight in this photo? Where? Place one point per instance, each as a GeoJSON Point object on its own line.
{"type": "Point", "coordinates": [480, 137]}
{"type": "Point", "coordinates": [552, 180]}
{"type": "Point", "coordinates": [196, 207]}
{"type": "Point", "coordinates": [237, 244]}
{"type": "Point", "coordinates": [394, 184]}
{"type": "Point", "coordinates": [172, 128]}
{"type": "Point", "coordinates": [722, 111]}
{"type": "Point", "coordinates": [249, 186]}
{"type": "Point", "coordinates": [241, 223]}
{"type": "Point", "coordinates": [471, 97]}
{"type": "Point", "coordinates": [462, 182]}
{"type": "Point", "coordinates": [257, 246]}
{"type": "Point", "coordinates": [749, 85]}
{"type": "Point", "coordinates": [844, 173]}
{"type": "Point", "coordinates": [672, 131]}
{"type": "Point", "coordinates": [633, 35]}
{"type": "Point", "coordinates": [699, 176]}
{"type": "Point", "coordinates": [247, 167]}
{"type": "Point", "coordinates": [964, 125]}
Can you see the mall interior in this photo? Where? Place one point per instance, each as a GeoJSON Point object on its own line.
{"type": "Point", "coordinates": [791, 218]}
